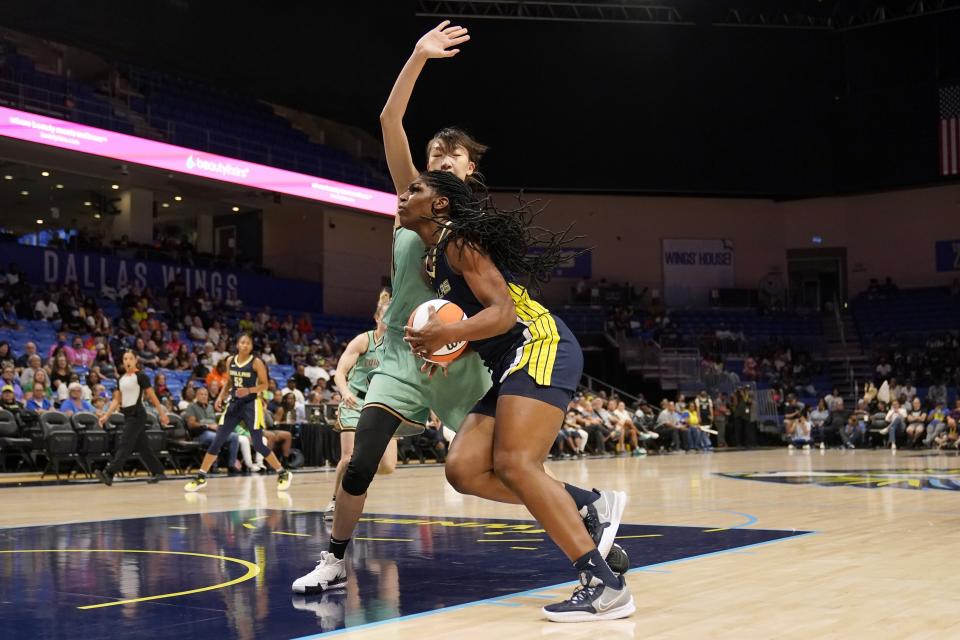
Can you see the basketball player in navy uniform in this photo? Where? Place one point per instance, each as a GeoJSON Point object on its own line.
{"type": "Point", "coordinates": [246, 380]}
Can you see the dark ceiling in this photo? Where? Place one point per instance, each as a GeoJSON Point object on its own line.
{"type": "Point", "coordinates": [697, 108]}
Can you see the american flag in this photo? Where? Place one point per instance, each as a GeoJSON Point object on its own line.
{"type": "Point", "coordinates": [950, 130]}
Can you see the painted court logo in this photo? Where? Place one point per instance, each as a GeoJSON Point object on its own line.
{"type": "Point", "coordinates": [941, 479]}
{"type": "Point", "coordinates": [220, 168]}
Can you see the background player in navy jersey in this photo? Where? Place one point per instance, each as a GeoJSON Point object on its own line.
{"type": "Point", "coordinates": [246, 380]}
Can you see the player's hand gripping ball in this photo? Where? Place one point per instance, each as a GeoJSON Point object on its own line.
{"type": "Point", "coordinates": [426, 335]}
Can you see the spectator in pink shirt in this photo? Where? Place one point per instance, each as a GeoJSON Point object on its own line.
{"type": "Point", "coordinates": [78, 355]}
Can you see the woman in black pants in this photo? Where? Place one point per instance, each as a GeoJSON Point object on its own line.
{"type": "Point", "coordinates": [132, 386]}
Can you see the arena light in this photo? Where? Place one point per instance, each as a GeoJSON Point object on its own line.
{"type": "Point", "coordinates": [45, 174]}
{"type": "Point", "coordinates": [39, 220]}
{"type": "Point", "coordinates": [235, 209]}
{"type": "Point", "coordinates": [87, 203]}
{"type": "Point", "coordinates": [165, 205]}
{"type": "Point", "coordinates": [178, 198]}
{"type": "Point", "coordinates": [114, 186]}
{"type": "Point", "coordinates": [24, 193]}
{"type": "Point", "coordinates": [59, 186]}
{"type": "Point", "coordinates": [8, 177]}
{"type": "Point", "coordinates": [96, 216]}
{"type": "Point", "coordinates": [53, 132]}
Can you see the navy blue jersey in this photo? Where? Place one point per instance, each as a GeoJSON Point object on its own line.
{"type": "Point", "coordinates": [242, 375]}
{"type": "Point", "coordinates": [530, 344]}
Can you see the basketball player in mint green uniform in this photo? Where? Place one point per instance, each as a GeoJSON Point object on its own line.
{"type": "Point", "coordinates": [400, 394]}
{"type": "Point", "coordinates": [360, 358]}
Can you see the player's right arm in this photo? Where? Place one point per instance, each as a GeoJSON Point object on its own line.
{"type": "Point", "coordinates": [436, 43]}
{"type": "Point", "coordinates": [347, 361]}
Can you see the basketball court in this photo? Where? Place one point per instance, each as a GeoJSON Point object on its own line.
{"type": "Point", "coordinates": [729, 545]}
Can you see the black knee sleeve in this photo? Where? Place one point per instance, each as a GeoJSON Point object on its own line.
{"type": "Point", "coordinates": [374, 430]}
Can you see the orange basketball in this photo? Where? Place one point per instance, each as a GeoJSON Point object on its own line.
{"type": "Point", "coordinates": [447, 312]}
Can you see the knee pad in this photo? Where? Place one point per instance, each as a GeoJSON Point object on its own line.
{"type": "Point", "coordinates": [359, 475]}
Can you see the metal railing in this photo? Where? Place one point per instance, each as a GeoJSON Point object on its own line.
{"type": "Point", "coordinates": [592, 384]}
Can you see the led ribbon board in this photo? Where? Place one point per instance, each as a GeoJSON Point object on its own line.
{"type": "Point", "coordinates": [62, 134]}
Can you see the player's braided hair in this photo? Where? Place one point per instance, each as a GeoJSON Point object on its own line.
{"type": "Point", "coordinates": [514, 243]}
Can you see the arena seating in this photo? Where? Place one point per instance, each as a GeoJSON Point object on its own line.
{"type": "Point", "coordinates": [906, 312]}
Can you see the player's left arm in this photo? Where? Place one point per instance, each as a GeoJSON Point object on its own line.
{"type": "Point", "coordinates": [499, 312]}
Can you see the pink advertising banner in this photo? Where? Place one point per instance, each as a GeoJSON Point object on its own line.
{"type": "Point", "coordinates": [52, 132]}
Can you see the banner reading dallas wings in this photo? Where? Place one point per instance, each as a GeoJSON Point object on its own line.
{"type": "Point", "coordinates": [692, 267]}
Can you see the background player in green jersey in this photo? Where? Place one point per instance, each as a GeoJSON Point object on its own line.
{"type": "Point", "coordinates": [356, 364]}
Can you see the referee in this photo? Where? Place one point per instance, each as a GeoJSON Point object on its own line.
{"type": "Point", "coordinates": [132, 386]}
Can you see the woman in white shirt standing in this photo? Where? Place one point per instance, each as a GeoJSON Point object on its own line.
{"type": "Point", "coordinates": [132, 387]}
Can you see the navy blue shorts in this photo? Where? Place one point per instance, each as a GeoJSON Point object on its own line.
{"type": "Point", "coordinates": [565, 376]}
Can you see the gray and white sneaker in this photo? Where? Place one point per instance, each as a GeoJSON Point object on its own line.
{"type": "Point", "coordinates": [602, 518]}
{"type": "Point", "coordinates": [329, 511]}
{"type": "Point", "coordinates": [592, 600]}
{"type": "Point", "coordinates": [330, 573]}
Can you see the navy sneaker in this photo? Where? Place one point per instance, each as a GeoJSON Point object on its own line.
{"type": "Point", "coordinates": [592, 600]}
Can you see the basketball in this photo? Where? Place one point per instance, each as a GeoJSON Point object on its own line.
{"type": "Point", "coordinates": [447, 312]}
{"type": "Point", "coordinates": [618, 560]}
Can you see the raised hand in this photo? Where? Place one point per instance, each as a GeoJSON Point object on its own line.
{"type": "Point", "coordinates": [436, 43]}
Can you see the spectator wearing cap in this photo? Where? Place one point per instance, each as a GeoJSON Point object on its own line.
{"type": "Point", "coordinates": [8, 401]}
{"type": "Point", "coordinates": [75, 403]}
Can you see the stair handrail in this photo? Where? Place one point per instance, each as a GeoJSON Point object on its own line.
{"type": "Point", "coordinates": [589, 382]}
{"type": "Point", "coordinates": [843, 343]}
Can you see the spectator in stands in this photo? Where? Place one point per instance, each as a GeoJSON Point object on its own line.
{"type": "Point", "coordinates": [7, 356]}
{"type": "Point", "coordinates": [291, 411]}
{"type": "Point", "coordinates": [792, 410]}
{"type": "Point", "coordinates": [75, 403]}
{"type": "Point", "coordinates": [743, 418]}
{"type": "Point", "coordinates": [246, 323]}
{"type": "Point", "coordinates": [817, 419]}
{"type": "Point", "coordinates": [60, 371]}
{"type": "Point", "coordinates": [104, 364]}
{"type": "Point", "coordinates": [8, 402]}
{"type": "Point", "coordinates": [916, 422]}
{"type": "Point", "coordinates": [936, 424]}
{"type": "Point", "coordinates": [60, 343]}
{"type": "Point", "coordinates": [908, 392]}
{"type": "Point", "coordinates": [29, 350]}
{"type": "Point", "coordinates": [146, 355]}
{"type": "Point", "coordinates": [8, 316]}
{"type": "Point", "coordinates": [837, 422]}
{"type": "Point", "coordinates": [188, 396]}
{"type": "Point", "coordinates": [884, 369]}
{"type": "Point", "coordinates": [185, 361]}
{"type": "Point", "coordinates": [46, 309]}
{"type": "Point", "coordinates": [215, 333]}
{"type": "Point", "coordinates": [851, 434]}
{"type": "Point", "coordinates": [315, 370]}
{"type": "Point", "coordinates": [9, 378]}
{"type": "Point", "coordinates": [77, 354]}
{"type": "Point", "coordinates": [834, 400]}
{"type": "Point", "coordinates": [108, 291]}
{"type": "Point", "coordinates": [220, 352]}
{"type": "Point", "coordinates": [28, 373]}
{"type": "Point", "coordinates": [937, 394]}
{"type": "Point", "coordinates": [668, 426]}
{"type": "Point", "coordinates": [197, 332]}
{"type": "Point", "coordinates": [160, 386]}
{"type": "Point", "coordinates": [896, 421]}
{"type": "Point", "coordinates": [268, 356]}
{"type": "Point", "coordinates": [218, 374]}
{"type": "Point", "coordinates": [201, 420]}
{"type": "Point", "coordinates": [37, 401]}
{"type": "Point", "coordinates": [321, 391]}
{"type": "Point", "coordinates": [164, 357]}
{"type": "Point", "coordinates": [801, 435]}
{"type": "Point", "coordinates": [98, 323]}
{"type": "Point", "coordinates": [300, 379]}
